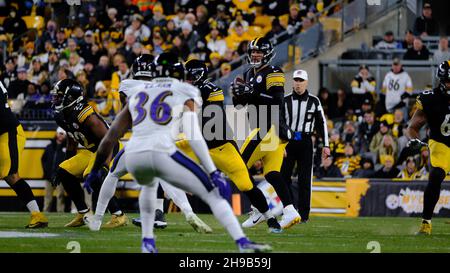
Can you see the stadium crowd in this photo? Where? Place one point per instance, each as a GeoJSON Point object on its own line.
{"type": "Point", "coordinates": [96, 43]}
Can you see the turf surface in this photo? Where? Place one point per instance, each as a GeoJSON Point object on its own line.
{"type": "Point", "coordinates": [321, 234]}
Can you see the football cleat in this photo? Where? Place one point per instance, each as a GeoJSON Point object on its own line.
{"type": "Point", "coordinates": [160, 220]}
{"type": "Point", "coordinates": [198, 224]}
{"type": "Point", "coordinates": [78, 220]}
{"type": "Point", "coordinates": [290, 217]}
{"type": "Point", "coordinates": [94, 222]}
{"type": "Point", "coordinates": [117, 221]}
{"type": "Point", "coordinates": [274, 226]}
{"type": "Point", "coordinates": [255, 217]}
{"type": "Point", "coordinates": [148, 246]}
{"type": "Point", "coordinates": [425, 228]}
{"type": "Point", "coordinates": [38, 220]}
{"type": "Point", "coordinates": [247, 246]}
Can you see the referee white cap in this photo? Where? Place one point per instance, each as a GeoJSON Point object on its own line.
{"type": "Point", "coordinates": [302, 74]}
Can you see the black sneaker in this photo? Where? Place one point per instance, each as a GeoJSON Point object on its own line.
{"type": "Point", "coordinates": [274, 226]}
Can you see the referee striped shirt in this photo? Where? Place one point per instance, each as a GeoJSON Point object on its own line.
{"type": "Point", "coordinates": [304, 114]}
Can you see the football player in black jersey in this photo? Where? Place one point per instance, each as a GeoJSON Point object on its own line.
{"type": "Point", "coordinates": [433, 107]}
{"type": "Point", "coordinates": [12, 143]}
{"type": "Point", "coordinates": [85, 127]}
{"type": "Point", "coordinates": [263, 88]}
{"type": "Point", "coordinates": [222, 147]}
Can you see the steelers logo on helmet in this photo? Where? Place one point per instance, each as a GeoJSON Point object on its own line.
{"type": "Point", "coordinates": [196, 71]}
{"type": "Point", "coordinates": [143, 66]}
{"type": "Point", "coordinates": [260, 52]}
{"type": "Point", "coordinates": [443, 74]}
{"type": "Point", "coordinates": [65, 94]}
{"type": "Point", "coordinates": [168, 65]}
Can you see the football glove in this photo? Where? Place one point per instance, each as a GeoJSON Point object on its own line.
{"type": "Point", "coordinates": [221, 183]}
{"type": "Point", "coordinates": [239, 87]}
{"type": "Point", "coordinates": [96, 176]}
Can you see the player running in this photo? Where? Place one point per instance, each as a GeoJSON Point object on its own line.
{"type": "Point", "coordinates": [433, 107]}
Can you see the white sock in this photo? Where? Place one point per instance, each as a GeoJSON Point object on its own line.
{"type": "Point", "coordinates": [147, 204]}
{"type": "Point", "coordinates": [178, 197]}
{"type": "Point", "coordinates": [33, 206]}
{"type": "Point", "coordinates": [106, 193]}
{"type": "Point", "coordinates": [428, 221]}
{"type": "Point", "coordinates": [83, 211]}
{"type": "Point", "coordinates": [160, 204]}
{"type": "Point", "coordinates": [224, 214]}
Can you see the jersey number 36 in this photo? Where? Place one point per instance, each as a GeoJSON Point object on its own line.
{"type": "Point", "coordinates": [160, 112]}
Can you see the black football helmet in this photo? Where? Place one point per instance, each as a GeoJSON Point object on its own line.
{"type": "Point", "coordinates": [196, 71]}
{"type": "Point", "coordinates": [143, 66]}
{"type": "Point", "coordinates": [443, 74]}
{"type": "Point", "coordinates": [65, 94]}
{"type": "Point", "coordinates": [168, 65]}
{"type": "Point", "coordinates": [265, 46]}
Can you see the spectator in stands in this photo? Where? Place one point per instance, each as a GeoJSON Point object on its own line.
{"type": "Point", "coordinates": [408, 41]}
{"type": "Point", "coordinates": [363, 84]}
{"type": "Point", "coordinates": [342, 104]}
{"type": "Point", "coordinates": [118, 76]}
{"type": "Point", "coordinates": [106, 103]}
{"type": "Point", "coordinates": [325, 100]}
{"type": "Point", "coordinates": [201, 26]}
{"type": "Point", "coordinates": [24, 59]}
{"type": "Point", "coordinates": [275, 32]}
{"type": "Point", "coordinates": [328, 169]}
{"type": "Point", "coordinates": [426, 25]}
{"type": "Point", "coordinates": [48, 48]}
{"type": "Point", "coordinates": [225, 69]}
{"type": "Point", "coordinates": [388, 41]}
{"type": "Point", "coordinates": [399, 123]}
{"type": "Point", "coordinates": [336, 144]}
{"type": "Point", "coordinates": [238, 20]}
{"type": "Point", "coordinates": [349, 132]}
{"type": "Point", "coordinates": [348, 163]}
{"type": "Point", "coordinates": [397, 85]}
{"type": "Point", "coordinates": [15, 25]}
{"type": "Point", "coordinates": [366, 170]}
{"type": "Point", "coordinates": [418, 51]}
{"type": "Point", "coordinates": [138, 29]}
{"type": "Point", "coordinates": [31, 98]}
{"type": "Point", "coordinates": [95, 26]}
{"type": "Point", "coordinates": [443, 53]}
{"type": "Point", "coordinates": [236, 37]}
{"type": "Point", "coordinates": [158, 19]}
{"type": "Point", "coordinates": [189, 37]}
{"type": "Point", "coordinates": [388, 170]}
{"type": "Point", "coordinates": [9, 74]}
{"type": "Point", "coordinates": [53, 155]}
{"type": "Point", "coordinates": [215, 42]}
{"type": "Point", "coordinates": [36, 73]}
{"type": "Point", "coordinates": [388, 146]}
{"type": "Point", "coordinates": [49, 34]}
{"type": "Point", "coordinates": [75, 64]}
{"type": "Point", "coordinates": [367, 129]}
{"type": "Point", "coordinates": [201, 51]}
{"type": "Point", "coordinates": [409, 172]}
{"type": "Point", "coordinates": [377, 139]}
{"type": "Point", "coordinates": [53, 67]}
{"type": "Point", "coordinates": [307, 22]}
{"type": "Point", "coordinates": [179, 47]}
{"type": "Point", "coordinates": [61, 42]}
{"type": "Point", "coordinates": [20, 85]}
{"type": "Point", "coordinates": [171, 30]}
{"type": "Point", "coordinates": [215, 61]}
{"type": "Point", "coordinates": [295, 19]}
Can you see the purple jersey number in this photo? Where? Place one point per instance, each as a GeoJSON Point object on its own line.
{"type": "Point", "coordinates": [160, 112]}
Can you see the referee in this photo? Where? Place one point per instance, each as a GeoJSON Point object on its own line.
{"type": "Point", "coordinates": [304, 114]}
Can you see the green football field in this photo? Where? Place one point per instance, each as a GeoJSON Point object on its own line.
{"type": "Point", "coordinates": [321, 234]}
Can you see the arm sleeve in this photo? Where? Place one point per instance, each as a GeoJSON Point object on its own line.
{"type": "Point", "coordinates": [321, 124]}
{"type": "Point", "coordinates": [193, 133]}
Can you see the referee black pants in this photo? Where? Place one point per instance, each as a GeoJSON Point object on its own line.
{"type": "Point", "coordinates": [300, 152]}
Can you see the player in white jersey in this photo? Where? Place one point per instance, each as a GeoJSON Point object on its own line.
{"type": "Point", "coordinates": [397, 85]}
{"type": "Point", "coordinates": [156, 114]}
{"type": "Point", "coordinates": [141, 72]}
